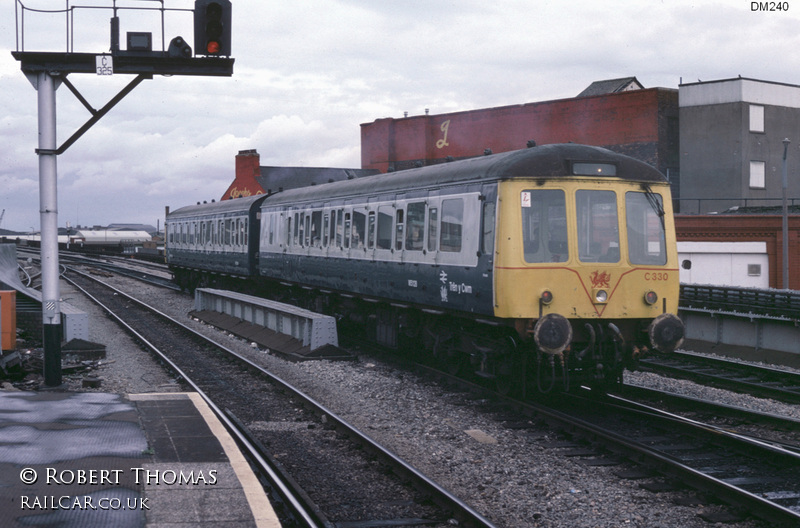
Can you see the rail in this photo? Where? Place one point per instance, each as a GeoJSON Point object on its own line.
{"type": "Point", "coordinates": [735, 204]}
{"type": "Point", "coordinates": [784, 304]}
{"type": "Point", "coordinates": [48, 20]}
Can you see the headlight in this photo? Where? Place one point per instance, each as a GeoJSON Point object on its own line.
{"type": "Point", "coordinates": [600, 296]}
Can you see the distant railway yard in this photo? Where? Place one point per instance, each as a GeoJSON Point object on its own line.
{"type": "Point", "coordinates": [696, 452]}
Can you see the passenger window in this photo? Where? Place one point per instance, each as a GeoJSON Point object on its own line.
{"type": "Point", "coordinates": [359, 229]}
{"type": "Point", "coordinates": [289, 231]}
{"type": "Point", "coordinates": [415, 230]}
{"type": "Point", "coordinates": [384, 228]}
{"type": "Point", "coordinates": [644, 215]}
{"type": "Point", "coordinates": [339, 229]}
{"type": "Point", "coordinates": [399, 230]}
{"type": "Point", "coordinates": [306, 229]}
{"type": "Point", "coordinates": [326, 229]}
{"type": "Point", "coordinates": [487, 240]}
{"type": "Point", "coordinates": [598, 227]}
{"type": "Point", "coordinates": [433, 228]}
{"type": "Point", "coordinates": [297, 227]}
{"type": "Point", "coordinates": [452, 225]}
{"type": "Point", "coordinates": [544, 225]}
{"type": "Point", "coordinates": [371, 230]}
{"type": "Point", "coordinates": [347, 230]}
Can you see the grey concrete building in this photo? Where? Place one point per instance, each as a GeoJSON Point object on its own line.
{"type": "Point", "coordinates": [731, 143]}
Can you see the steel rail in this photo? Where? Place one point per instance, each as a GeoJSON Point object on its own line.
{"type": "Point", "coordinates": [288, 495]}
{"type": "Point", "coordinates": [462, 511]}
{"type": "Point", "coordinates": [664, 463]}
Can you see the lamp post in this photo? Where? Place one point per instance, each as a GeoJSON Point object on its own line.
{"type": "Point", "coordinates": [785, 224]}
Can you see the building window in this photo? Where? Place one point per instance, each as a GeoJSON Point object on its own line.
{"type": "Point", "coordinates": [754, 270]}
{"type": "Point", "coordinates": [757, 171]}
{"type": "Point", "coordinates": [756, 118]}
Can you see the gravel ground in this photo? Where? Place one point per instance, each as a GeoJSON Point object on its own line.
{"type": "Point", "coordinates": [513, 476]}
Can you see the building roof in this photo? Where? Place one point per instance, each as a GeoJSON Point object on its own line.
{"type": "Point", "coordinates": [612, 86]}
{"type": "Point", "coordinates": [273, 179]}
{"type": "Point", "coordinates": [540, 162]}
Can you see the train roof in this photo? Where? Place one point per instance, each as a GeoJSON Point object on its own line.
{"type": "Point", "coordinates": [234, 205]}
{"type": "Point", "coordinates": [546, 161]}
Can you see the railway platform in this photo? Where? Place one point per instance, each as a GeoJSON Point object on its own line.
{"type": "Point", "coordinates": [83, 459]}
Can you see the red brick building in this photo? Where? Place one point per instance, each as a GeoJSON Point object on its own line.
{"type": "Point", "coordinates": [642, 123]}
{"type": "Point", "coordinates": [748, 228]}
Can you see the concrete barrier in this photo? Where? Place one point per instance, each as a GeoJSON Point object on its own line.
{"type": "Point", "coordinates": [278, 326]}
{"type": "Point", "coordinates": [745, 335]}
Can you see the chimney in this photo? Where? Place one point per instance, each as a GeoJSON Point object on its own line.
{"type": "Point", "coordinates": [248, 170]}
{"type": "Point", "coordinates": [247, 164]}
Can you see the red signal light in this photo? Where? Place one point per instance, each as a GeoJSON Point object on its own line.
{"type": "Point", "coordinates": [213, 47]}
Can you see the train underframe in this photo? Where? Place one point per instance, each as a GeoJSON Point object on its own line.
{"type": "Point", "coordinates": [520, 356]}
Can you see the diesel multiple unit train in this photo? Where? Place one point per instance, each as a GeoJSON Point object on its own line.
{"type": "Point", "coordinates": [543, 269]}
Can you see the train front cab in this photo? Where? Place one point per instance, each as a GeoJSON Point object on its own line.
{"type": "Point", "coordinates": [587, 269]}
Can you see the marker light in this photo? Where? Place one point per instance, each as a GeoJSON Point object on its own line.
{"type": "Point", "coordinates": [650, 297]}
{"type": "Point", "coordinates": [547, 297]}
{"type": "Point", "coordinates": [601, 296]}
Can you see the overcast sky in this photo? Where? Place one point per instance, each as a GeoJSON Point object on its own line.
{"type": "Point", "coordinates": [309, 72]}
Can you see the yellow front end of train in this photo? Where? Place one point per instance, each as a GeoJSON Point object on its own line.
{"type": "Point", "coordinates": [584, 261]}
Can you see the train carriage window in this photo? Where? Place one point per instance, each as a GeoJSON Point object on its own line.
{"type": "Point", "coordinates": [385, 215]}
{"type": "Point", "coordinates": [316, 228]}
{"type": "Point", "coordinates": [399, 230]}
{"type": "Point", "coordinates": [415, 228]}
{"type": "Point", "coordinates": [228, 232]}
{"type": "Point", "coordinates": [305, 228]}
{"type": "Point", "coordinates": [289, 230]}
{"type": "Point", "coordinates": [347, 230]}
{"type": "Point", "coordinates": [544, 225]}
{"type": "Point", "coordinates": [371, 230]}
{"type": "Point", "coordinates": [598, 226]}
{"type": "Point", "coordinates": [646, 237]}
{"type": "Point", "coordinates": [298, 227]}
{"type": "Point", "coordinates": [271, 229]}
{"type": "Point", "coordinates": [340, 228]}
{"type": "Point", "coordinates": [359, 229]}
{"type": "Point", "coordinates": [433, 228]}
{"type": "Point", "coordinates": [452, 225]}
{"type": "Point", "coordinates": [326, 229]}
{"type": "Point", "coordinates": [487, 240]}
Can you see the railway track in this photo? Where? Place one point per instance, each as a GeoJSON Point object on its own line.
{"type": "Point", "coordinates": [745, 472]}
{"type": "Point", "coordinates": [768, 382]}
{"type": "Point", "coordinates": [323, 454]}
{"type": "Point", "coordinates": [765, 427]}
{"type": "Point", "coordinates": [751, 474]}
{"type": "Point", "coordinates": [575, 446]}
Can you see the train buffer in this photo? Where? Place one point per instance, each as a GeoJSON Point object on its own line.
{"type": "Point", "coordinates": [290, 331]}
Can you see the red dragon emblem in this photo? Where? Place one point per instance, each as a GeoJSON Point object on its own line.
{"type": "Point", "coordinates": [600, 279]}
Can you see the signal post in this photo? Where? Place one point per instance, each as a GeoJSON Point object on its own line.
{"type": "Point", "coordinates": [48, 70]}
